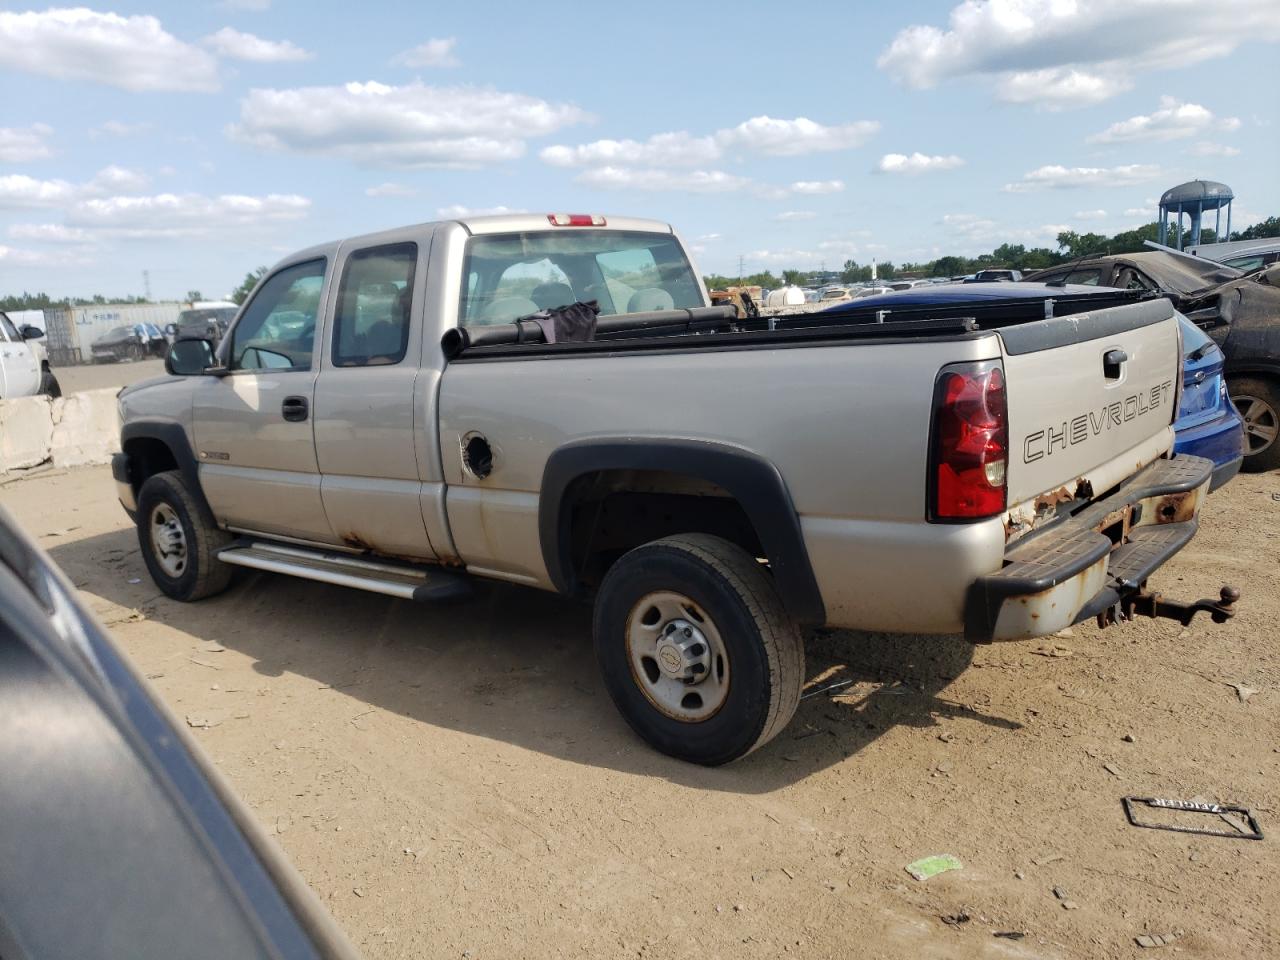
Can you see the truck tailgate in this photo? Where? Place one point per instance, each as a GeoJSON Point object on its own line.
{"type": "Point", "coordinates": [1092, 397]}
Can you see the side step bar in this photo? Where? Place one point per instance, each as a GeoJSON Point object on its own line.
{"type": "Point", "coordinates": [394, 580]}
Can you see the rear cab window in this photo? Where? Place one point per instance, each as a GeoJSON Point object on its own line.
{"type": "Point", "coordinates": [371, 325]}
{"type": "Point", "coordinates": [508, 276]}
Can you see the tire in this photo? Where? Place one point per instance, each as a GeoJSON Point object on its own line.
{"type": "Point", "coordinates": [137, 352]}
{"type": "Point", "coordinates": [1259, 404]}
{"type": "Point", "coordinates": [743, 657]}
{"type": "Point", "coordinates": [195, 573]}
{"type": "Point", "coordinates": [49, 385]}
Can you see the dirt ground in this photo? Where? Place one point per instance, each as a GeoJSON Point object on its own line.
{"type": "Point", "coordinates": [94, 376]}
{"type": "Point", "coordinates": [454, 782]}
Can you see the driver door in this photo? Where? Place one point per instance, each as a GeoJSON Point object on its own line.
{"type": "Point", "coordinates": [253, 425]}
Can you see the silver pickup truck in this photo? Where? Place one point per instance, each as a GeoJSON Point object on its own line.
{"type": "Point", "coordinates": [404, 412]}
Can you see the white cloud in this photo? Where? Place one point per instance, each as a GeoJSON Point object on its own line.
{"type": "Point", "coordinates": [134, 53]}
{"type": "Point", "coordinates": [391, 190]}
{"type": "Point", "coordinates": [780, 256]}
{"type": "Point", "coordinates": [817, 186]}
{"type": "Point", "coordinates": [764, 135]}
{"type": "Point", "coordinates": [116, 128]}
{"type": "Point", "coordinates": [708, 237]}
{"type": "Point", "coordinates": [400, 126]}
{"type": "Point", "coordinates": [25, 258]}
{"type": "Point", "coordinates": [1059, 53]}
{"type": "Point", "coordinates": [235, 45]}
{"type": "Point", "coordinates": [22, 144]}
{"type": "Point", "coordinates": [115, 179]}
{"type": "Point", "coordinates": [1173, 120]}
{"type": "Point", "coordinates": [661, 150]}
{"type": "Point", "coordinates": [689, 181]}
{"type": "Point", "coordinates": [49, 233]}
{"type": "Point", "coordinates": [793, 138]}
{"type": "Point", "coordinates": [1150, 212]}
{"type": "Point", "coordinates": [253, 6]}
{"type": "Point", "coordinates": [436, 52]}
{"type": "Point", "coordinates": [1091, 214]}
{"type": "Point", "coordinates": [917, 163]}
{"type": "Point", "coordinates": [1056, 177]}
{"type": "Point", "coordinates": [1209, 149]}
{"type": "Point", "coordinates": [1060, 88]}
{"type": "Point", "coordinates": [458, 212]}
{"type": "Point", "coordinates": [18, 190]}
{"type": "Point", "coordinates": [191, 214]}
{"type": "Point", "coordinates": [968, 225]}
{"type": "Point", "coordinates": [795, 215]}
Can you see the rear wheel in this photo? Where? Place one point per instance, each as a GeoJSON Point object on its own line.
{"type": "Point", "coordinates": [179, 540]}
{"type": "Point", "coordinates": [1259, 404]}
{"type": "Point", "coordinates": [696, 649]}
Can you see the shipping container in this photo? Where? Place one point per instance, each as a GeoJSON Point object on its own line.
{"type": "Point", "coordinates": [72, 330]}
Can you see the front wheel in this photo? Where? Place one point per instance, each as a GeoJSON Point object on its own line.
{"type": "Point", "coordinates": [696, 648]}
{"type": "Point", "coordinates": [1259, 404]}
{"type": "Point", "coordinates": [179, 540]}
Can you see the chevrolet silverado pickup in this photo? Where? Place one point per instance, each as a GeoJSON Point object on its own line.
{"type": "Point", "coordinates": [407, 411]}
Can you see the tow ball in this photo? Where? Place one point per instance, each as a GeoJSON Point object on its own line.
{"type": "Point", "coordinates": [1147, 604]}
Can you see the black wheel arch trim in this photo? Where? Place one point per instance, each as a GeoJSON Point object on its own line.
{"type": "Point", "coordinates": [753, 481]}
{"type": "Point", "coordinates": [175, 438]}
{"type": "Point", "coordinates": [1259, 367]}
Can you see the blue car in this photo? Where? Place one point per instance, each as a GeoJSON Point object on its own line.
{"type": "Point", "coordinates": [1208, 423]}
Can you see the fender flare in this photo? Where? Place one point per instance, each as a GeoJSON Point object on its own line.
{"type": "Point", "coordinates": [1260, 366]}
{"type": "Point", "coordinates": [753, 481]}
{"type": "Point", "coordinates": [173, 436]}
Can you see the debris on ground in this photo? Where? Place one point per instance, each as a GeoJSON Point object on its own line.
{"type": "Point", "coordinates": [1009, 934]}
{"type": "Point", "coordinates": [927, 867]}
{"type": "Point", "coordinates": [200, 723]}
{"type": "Point", "coordinates": [212, 647]}
{"type": "Point", "coordinates": [1156, 939]}
{"type": "Point", "coordinates": [1128, 738]}
{"type": "Point", "coordinates": [1112, 769]}
{"type": "Point", "coordinates": [1242, 691]}
{"type": "Point", "coordinates": [1050, 858]}
{"type": "Point", "coordinates": [1057, 650]}
{"type": "Point", "coordinates": [956, 919]}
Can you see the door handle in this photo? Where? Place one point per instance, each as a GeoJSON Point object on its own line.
{"type": "Point", "coordinates": [294, 409]}
{"type": "Point", "coordinates": [1111, 363]}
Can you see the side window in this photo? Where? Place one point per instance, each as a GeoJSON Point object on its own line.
{"type": "Point", "coordinates": [277, 330]}
{"type": "Point", "coordinates": [1089, 278]}
{"type": "Point", "coordinates": [7, 330]}
{"type": "Point", "coordinates": [372, 321]}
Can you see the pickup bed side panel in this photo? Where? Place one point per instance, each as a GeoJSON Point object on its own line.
{"type": "Point", "coordinates": [846, 425]}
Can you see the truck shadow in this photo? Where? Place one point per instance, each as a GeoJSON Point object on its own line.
{"type": "Point", "coordinates": [516, 665]}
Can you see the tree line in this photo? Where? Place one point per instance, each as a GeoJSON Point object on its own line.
{"type": "Point", "coordinates": [1071, 246]}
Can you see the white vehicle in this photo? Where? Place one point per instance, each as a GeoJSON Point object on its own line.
{"type": "Point", "coordinates": [24, 366]}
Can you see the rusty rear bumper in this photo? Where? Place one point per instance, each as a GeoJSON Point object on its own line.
{"type": "Point", "coordinates": [1088, 562]}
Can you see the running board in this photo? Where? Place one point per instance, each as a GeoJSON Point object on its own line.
{"type": "Point", "coordinates": [393, 580]}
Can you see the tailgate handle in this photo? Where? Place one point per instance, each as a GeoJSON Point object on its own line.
{"type": "Point", "coordinates": [1112, 360]}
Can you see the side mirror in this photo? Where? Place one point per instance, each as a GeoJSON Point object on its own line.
{"type": "Point", "coordinates": [189, 358]}
{"type": "Point", "coordinates": [31, 333]}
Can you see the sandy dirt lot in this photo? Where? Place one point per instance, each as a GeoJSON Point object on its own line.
{"type": "Point", "coordinates": [94, 376]}
{"type": "Point", "coordinates": [454, 782]}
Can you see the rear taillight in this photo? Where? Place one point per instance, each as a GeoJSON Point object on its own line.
{"type": "Point", "coordinates": [575, 220]}
{"type": "Point", "coordinates": [969, 445]}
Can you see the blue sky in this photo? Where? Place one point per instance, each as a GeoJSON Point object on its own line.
{"type": "Point", "coordinates": [199, 140]}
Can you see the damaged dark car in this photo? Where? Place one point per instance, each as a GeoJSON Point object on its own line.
{"type": "Point", "coordinates": [1241, 312]}
{"type": "Point", "coordinates": [137, 341]}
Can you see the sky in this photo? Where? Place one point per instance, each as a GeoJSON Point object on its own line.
{"type": "Point", "coordinates": [199, 140]}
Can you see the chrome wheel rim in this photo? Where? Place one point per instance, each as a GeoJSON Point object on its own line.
{"type": "Point", "coordinates": [677, 657]}
{"type": "Point", "coordinates": [1261, 423]}
{"type": "Point", "coordinates": [168, 540]}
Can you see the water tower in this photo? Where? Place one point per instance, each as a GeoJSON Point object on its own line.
{"type": "Point", "coordinates": [1195, 197]}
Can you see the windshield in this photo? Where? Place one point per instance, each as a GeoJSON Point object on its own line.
{"type": "Point", "coordinates": [119, 333]}
{"type": "Point", "coordinates": [507, 276]}
{"type": "Point", "coordinates": [217, 314]}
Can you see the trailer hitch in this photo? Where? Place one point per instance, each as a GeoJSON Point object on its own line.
{"type": "Point", "coordinates": [1142, 603]}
